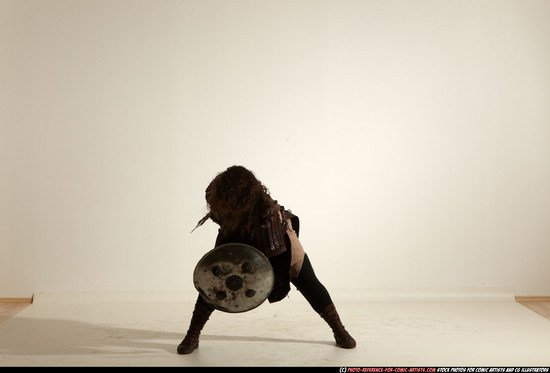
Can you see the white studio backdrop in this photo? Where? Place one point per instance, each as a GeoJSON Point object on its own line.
{"type": "Point", "coordinates": [411, 137]}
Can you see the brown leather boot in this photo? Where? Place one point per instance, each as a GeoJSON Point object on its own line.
{"type": "Point", "coordinates": [342, 337]}
{"type": "Point", "coordinates": [201, 314]}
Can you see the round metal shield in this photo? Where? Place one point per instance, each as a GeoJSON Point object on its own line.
{"type": "Point", "coordinates": [234, 277]}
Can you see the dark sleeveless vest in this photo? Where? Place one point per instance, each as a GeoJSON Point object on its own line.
{"type": "Point", "coordinates": [273, 241]}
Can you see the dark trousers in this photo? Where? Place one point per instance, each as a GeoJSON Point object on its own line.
{"type": "Point", "coordinates": [311, 288]}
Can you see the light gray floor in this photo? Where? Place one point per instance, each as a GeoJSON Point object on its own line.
{"type": "Point", "coordinates": [133, 329]}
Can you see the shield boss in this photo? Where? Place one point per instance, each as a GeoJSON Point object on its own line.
{"type": "Point", "coordinates": [234, 277]}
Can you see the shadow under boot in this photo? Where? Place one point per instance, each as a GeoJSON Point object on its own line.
{"type": "Point", "coordinates": [201, 314]}
{"type": "Point", "coordinates": [342, 337]}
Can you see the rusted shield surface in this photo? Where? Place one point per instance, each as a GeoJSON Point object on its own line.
{"type": "Point", "coordinates": [234, 277]}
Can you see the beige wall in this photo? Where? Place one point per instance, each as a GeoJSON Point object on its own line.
{"type": "Point", "coordinates": [412, 138]}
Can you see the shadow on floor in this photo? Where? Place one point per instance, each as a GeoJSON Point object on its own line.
{"type": "Point", "coordinates": [31, 336]}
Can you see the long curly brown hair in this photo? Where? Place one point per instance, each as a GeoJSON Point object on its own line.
{"type": "Point", "coordinates": [238, 201]}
